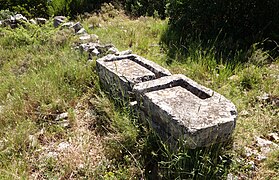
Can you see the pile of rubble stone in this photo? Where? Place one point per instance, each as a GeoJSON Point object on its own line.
{"type": "Point", "coordinates": [18, 20]}
{"type": "Point", "coordinates": [87, 42]}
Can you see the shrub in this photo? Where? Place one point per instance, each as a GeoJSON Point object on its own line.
{"type": "Point", "coordinates": [5, 14]}
{"type": "Point", "coordinates": [26, 7]}
{"type": "Point", "coordinates": [146, 7]}
{"type": "Point", "coordinates": [238, 23]}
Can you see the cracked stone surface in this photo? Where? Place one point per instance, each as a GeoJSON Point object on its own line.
{"type": "Point", "coordinates": [120, 73]}
{"type": "Point", "coordinates": [179, 108]}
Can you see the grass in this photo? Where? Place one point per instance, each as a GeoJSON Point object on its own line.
{"type": "Point", "coordinates": [41, 76]}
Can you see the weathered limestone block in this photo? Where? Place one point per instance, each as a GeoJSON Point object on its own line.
{"type": "Point", "coordinates": [178, 108]}
{"type": "Point", "coordinates": [58, 20]}
{"type": "Point", "coordinates": [118, 74]}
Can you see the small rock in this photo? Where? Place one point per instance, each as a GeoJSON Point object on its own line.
{"type": "Point", "coordinates": [58, 20]}
{"type": "Point", "coordinates": [265, 145]}
{"type": "Point", "coordinates": [85, 37]}
{"type": "Point", "coordinates": [271, 136]}
{"type": "Point", "coordinates": [81, 31]}
{"type": "Point", "coordinates": [63, 145]}
{"type": "Point", "coordinates": [89, 37]}
{"type": "Point", "coordinates": [32, 21]}
{"type": "Point", "coordinates": [263, 97]}
{"type": "Point", "coordinates": [20, 17]}
{"type": "Point", "coordinates": [41, 20]}
{"type": "Point", "coordinates": [112, 50]}
{"type": "Point", "coordinates": [12, 18]}
{"type": "Point", "coordinates": [127, 52]}
{"type": "Point", "coordinates": [77, 27]}
{"type": "Point", "coordinates": [61, 116]}
{"type": "Point", "coordinates": [133, 104]}
{"type": "Point", "coordinates": [262, 142]}
{"type": "Point", "coordinates": [95, 52]}
{"type": "Point", "coordinates": [67, 25]}
{"type": "Point", "coordinates": [275, 100]}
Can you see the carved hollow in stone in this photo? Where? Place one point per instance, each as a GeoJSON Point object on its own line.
{"type": "Point", "coordinates": [178, 108]}
{"type": "Point", "coordinates": [118, 74]}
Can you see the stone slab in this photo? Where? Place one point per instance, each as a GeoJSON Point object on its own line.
{"type": "Point", "coordinates": [118, 74]}
{"type": "Point", "coordinates": [178, 108]}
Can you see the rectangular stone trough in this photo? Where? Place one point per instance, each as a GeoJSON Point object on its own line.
{"type": "Point", "coordinates": [118, 74]}
{"type": "Point", "coordinates": [178, 109]}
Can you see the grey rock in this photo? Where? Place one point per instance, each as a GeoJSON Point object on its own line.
{"type": "Point", "coordinates": [67, 25]}
{"type": "Point", "coordinates": [63, 146]}
{"type": "Point", "coordinates": [77, 26]}
{"type": "Point", "coordinates": [41, 20]}
{"type": "Point", "coordinates": [263, 142]}
{"type": "Point", "coordinates": [12, 18]}
{"type": "Point", "coordinates": [95, 52]}
{"type": "Point", "coordinates": [264, 97]}
{"type": "Point", "coordinates": [81, 31]}
{"type": "Point", "coordinates": [88, 46]}
{"type": "Point", "coordinates": [127, 52]}
{"type": "Point", "coordinates": [89, 37]}
{"type": "Point", "coordinates": [272, 136]}
{"type": "Point", "coordinates": [266, 147]}
{"type": "Point", "coordinates": [179, 109]}
{"type": "Point", "coordinates": [61, 116]}
{"type": "Point", "coordinates": [85, 37]}
{"type": "Point", "coordinates": [32, 21]}
{"type": "Point", "coordinates": [58, 20]}
{"type": "Point", "coordinates": [20, 17]}
{"type": "Point", "coordinates": [112, 50]}
{"type": "Point", "coordinates": [94, 47]}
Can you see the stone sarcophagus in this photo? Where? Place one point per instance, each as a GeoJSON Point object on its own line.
{"type": "Point", "coordinates": [178, 108]}
{"type": "Point", "coordinates": [118, 74]}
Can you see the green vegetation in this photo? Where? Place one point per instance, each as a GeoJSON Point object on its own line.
{"type": "Point", "coordinates": [229, 26]}
{"type": "Point", "coordinates": [41, 76]}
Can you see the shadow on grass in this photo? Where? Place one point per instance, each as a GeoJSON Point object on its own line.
{"type": "Point", "coordinates": [224, 49]}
